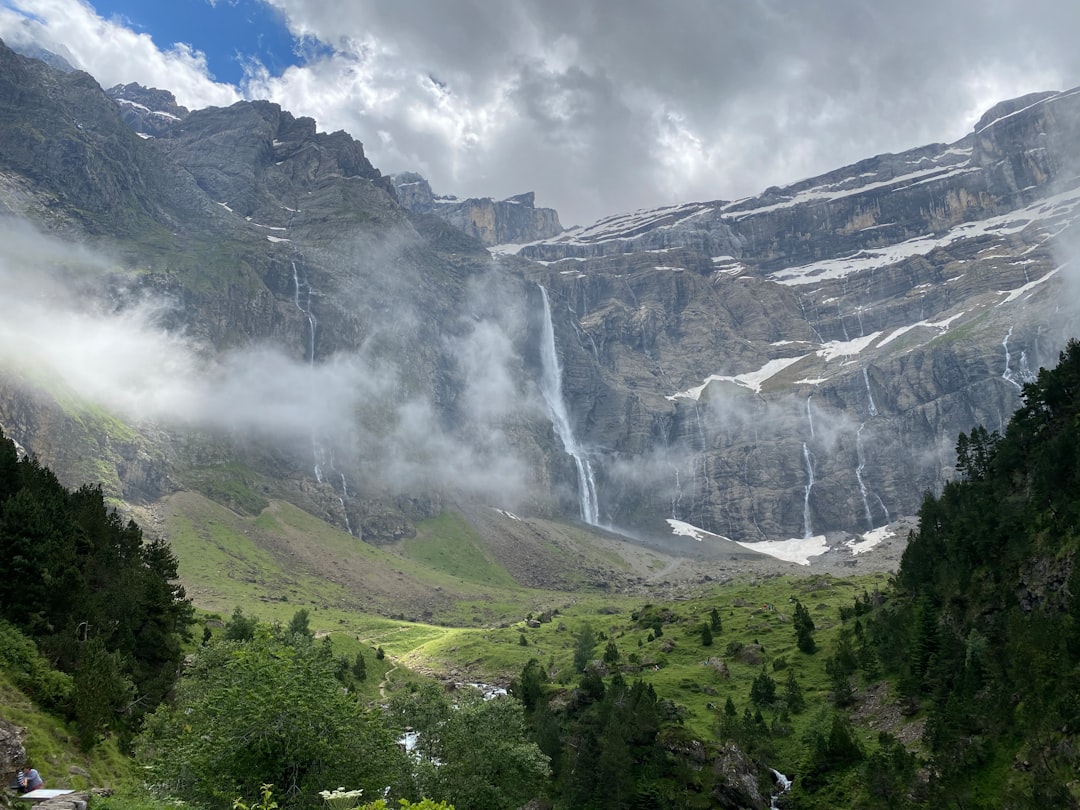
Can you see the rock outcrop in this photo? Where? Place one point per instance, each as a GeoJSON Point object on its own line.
{"type": "Point", "coordinates": [494, 222]}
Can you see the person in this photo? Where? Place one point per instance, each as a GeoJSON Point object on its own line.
{"type": "Point", "coordinates": [27, 779]}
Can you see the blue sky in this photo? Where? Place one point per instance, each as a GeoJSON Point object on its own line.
{"type": "Point", "coordinates": [600, 107]}
{"type": "Point", "coordinates": [228, 32]}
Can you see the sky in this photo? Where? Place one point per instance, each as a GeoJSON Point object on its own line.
{"type": "Point", "coordinates": [600, 107]}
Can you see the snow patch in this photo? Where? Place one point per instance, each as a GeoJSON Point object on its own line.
{"type": "Point", "coordinates": [683, 529]}
{"type": "Point", "coordinates": [867, 541]}
{"type": "Point", "coordinates": [797, 550]}
{"type": "Point", "coordinates": [752, 380]}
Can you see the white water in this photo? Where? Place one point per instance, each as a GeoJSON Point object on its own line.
{"type": "Point", "coordinates": [808, 531]}
{"type": "Point", "coordinates": [322, 457]}
{"type": "Point", "coordinates": [551, 389]}
{"type": "Point", "coordinates": [1008, 375]}
{"type": "Point", "coordinates": [869, 396]}
{"type": "Point", "coordinates": [784, 785]}
{"type": "Point", "coordinates": [810, 416]}
{"type": "Point", "coordinates": [858, 476]}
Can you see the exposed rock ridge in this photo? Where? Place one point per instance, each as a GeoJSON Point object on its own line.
{"type": "Point", "coordinates": [147, 110]}
{"type": "Point", "coordinates": [493, 222]}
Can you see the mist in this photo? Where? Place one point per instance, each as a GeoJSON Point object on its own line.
{"type": "Point", "coordinates": [355, 406]}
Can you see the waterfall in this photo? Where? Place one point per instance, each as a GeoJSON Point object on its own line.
{"type": "Point", "coordinates": [551, 389]}
{"type": "Point", "coordinates": [323, 458]}
{"type": "Point", "coordinates": [1008, 375]}
{"type": "Point", "coordinates": [810, 416]}
{"type": "Point", "coordinates": [306, 309]}
{"type": "Point", "coordinates": [784, 785]}
{"type": "Point", "coordinates": [858, 476]}
{"type": "Point", "coordinates": [869, 396]}
{"type": "Point", "coordinates": [808, 531]}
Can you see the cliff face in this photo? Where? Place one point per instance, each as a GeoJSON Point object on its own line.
{"type": "Point", "coordinates": [493, 222]}
{"type": "Point", "coordinates": [795, 363]}
{"type": "Point", "coordinates": [803, 361]}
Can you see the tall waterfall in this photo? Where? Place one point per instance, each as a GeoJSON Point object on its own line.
{"type": "Point", "coordinates": [551, 389]}
{"type": "Point", "coordinates": [324, 458]}
{"type": "Point", "coordinates": [808, 530]}
{"type": "Point", "coordinates": [858, 476]}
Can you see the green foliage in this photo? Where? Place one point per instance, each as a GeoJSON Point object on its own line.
{"type": "Point", "coordinates": [86, 587]}
{"type": "Point", "coordinates": [763, 690]}
{"type": "Point", "coordinates": [983, 628]}
{"type": "Point", "coordinates": [472, 752]}
{"type": "Point", "coordinates": [583, 647]}
{"type": "Point", "coordinates": [240, 627]}
{"type": "Point", "coordinates": [32, 673]}
{"type": "Point", "coordinates": [804, 629]}
{"type": "Point", "coordinates": [300, 625]}
{"type": "Point", "coordinates": [714, 621]}
{"type": "Point", "coordinates": [611, 653]}
{"type": "Point", "coordinates": [264, 802]}
{"type": "Point", "coordinates": [265, 711]}
{"type": "Point", "coordinates": [706, 636]}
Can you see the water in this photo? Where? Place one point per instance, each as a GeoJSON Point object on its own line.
{"type": "Point", "coordinates": [551, 389]}
{"type": "Point", "coordinates": [858, 476]}
{"type": "Point", "coordinates": [1008, 374]}
{"type": "Point", "coordinates": [783, 785]}
{"type": "Point", "coordinates": [323, 458]}
{"type": "Point", "coordinates": [808, 530]}
{"type": "Point", "coordinates": [869, 396]}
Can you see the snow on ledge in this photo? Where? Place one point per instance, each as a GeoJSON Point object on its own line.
{"type": "Point", "coordinates": [868, 540]}
{"type": "Point", "coordinates": [751, 379]}
{"type": "Point", "coordinates": [689, 530]}
{"type": "Point", "coordinates": [797, 550]}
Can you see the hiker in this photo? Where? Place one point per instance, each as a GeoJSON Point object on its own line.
{"type": "Point", "coordinates": [26, 779]}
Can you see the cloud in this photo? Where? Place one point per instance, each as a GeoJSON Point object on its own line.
{"type": "Point", "coordinates": [111, 52]}
{"type": "Point", "coordinates": [603, 109]}
{"type": "Point", "coordinates": [347, 412]}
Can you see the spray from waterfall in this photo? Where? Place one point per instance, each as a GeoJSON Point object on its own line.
{"type": "Point", "coordinates": [810, 416]}
{"type": "Point", "coordinates": [551, 389]}
{"type": "Point", "coordinates": [808, 530]}
{"type": "Point", "coordinates": [323, 458]}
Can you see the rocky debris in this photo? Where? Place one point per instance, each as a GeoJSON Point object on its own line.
{"type": "Point", "coordinates": [737, 783]}
{"type": "Point", "coordinates": [12, 750]}
{"type": "Point", "coordinates": [493, 222]}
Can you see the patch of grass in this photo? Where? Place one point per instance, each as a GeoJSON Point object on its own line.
{"type": "Point", "coordinates": [53, 749]}
{"type": "Point", "coordinates": [233, 485]}
{"type": "Point", "coordinates": [447, 543]}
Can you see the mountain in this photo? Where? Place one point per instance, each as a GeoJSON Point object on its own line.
{"type": "Point", "coordinates": [231, 302]}
{"type": "Point", "coordinates": [493, 222]}
{"type": "Point", "coordinates": [802, 361]}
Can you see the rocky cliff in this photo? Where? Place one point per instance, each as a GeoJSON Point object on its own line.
{"type": "Point", "coordinates": [493, 222]}
{"type": "Point", "coordinates": [803, 360]}
{"type": "Point", "coordinates": [791, 364]}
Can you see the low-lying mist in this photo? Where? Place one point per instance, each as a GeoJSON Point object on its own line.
{"type": "Point", "coordinates": [348, 405]}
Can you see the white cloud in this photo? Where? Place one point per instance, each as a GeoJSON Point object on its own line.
{"type": "Point", "coordinates": [111, 52]}
{"type": "Point", "coordinates": [603, 109]}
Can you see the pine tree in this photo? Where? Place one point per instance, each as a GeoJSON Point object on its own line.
{"type": "Point", "coordinates": [706, 636]}
{"type": "Point", "coordinates": [804, 629]}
